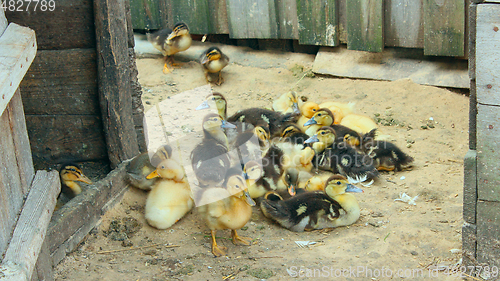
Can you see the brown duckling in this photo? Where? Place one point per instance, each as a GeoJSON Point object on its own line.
{"type": "Point", "coordinates": [213, 61]}
{"type": "Point", "coordinates": [70, 174]}
{"type": "Point", "coordinates": [141, 166]}
{"type": "Point", "coordinates": [170, 42]}
{"type": "Point", "coordinates": [386, 155]}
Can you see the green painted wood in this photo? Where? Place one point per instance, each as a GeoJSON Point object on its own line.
{"type": "Point", "coordinates": [444, 27]}
{"type": "Point", "coordinates": [217, 13]}
{"type": "Point", "coordinates": [194, 13]}
{"type": "Point", "coordinates": [148, 14]}
{"type": "Point", "coordinates": [365, 25]}
{"type": "Point", "coordinates": [288, 22]}
{"type": "Point", "coordinates": [252, 19]}
{"type": "Point", "coordinates": [404, 23]}
{"type": "Point", "coordinates": [318, 24]}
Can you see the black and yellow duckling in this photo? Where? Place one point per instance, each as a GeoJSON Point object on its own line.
{"type": "Point", "coordinates": [213, 61]}
{"type": "Point", "coordinates": [293, 134]}
{"type": "Point", "coordinates": [252, 144]}
{"type": "Point", "coordinates": [227, 207]}
{"type": "Point", "coordinates": [170, 198]}
{"type": "Point", "coordinates": [170, 42]}
{"type": "Point", "coordinates": [338, 109]}
{"type": "Point", "coordinates": [141, 166]}
{"type": "Point", "coordinates": [308, 211]}
{"type": "Point", "coordinates": [324, 117]}
{"type": "Point", "coordinates": [217, 102]}
{"type": "Point", "coordinates": [271, 170]}
{"type": "Point", "coordinates": [339, 157]}
{"type": "Point", "coordinates": [70, 174]}
{"type": "Point", "coordinates": [386, 155]}
{"type": "Point", "coordinates": [288, 103]}
{"type": "Point", "coordinates": [264, 117]}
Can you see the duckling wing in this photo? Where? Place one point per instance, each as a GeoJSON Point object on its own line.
{"type": "Point", "coordinates": [389, 153]}
{"type": "Point", "coordinates": [351, 163]}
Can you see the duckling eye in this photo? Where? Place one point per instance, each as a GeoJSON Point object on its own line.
{"type": "Point", "coordinates": [319, 114]}
{"type": "Point", "coordinates": [213, 98]}
{"type": "Point", "coordinates": [339, 183]}
{"type": "Point", "coordinates": [323, 132]}
{"type": "Point", "coordinates": [314, 109]}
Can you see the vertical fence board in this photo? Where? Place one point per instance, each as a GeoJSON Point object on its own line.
{"type": "Point", "coordinates": [148, 14]}
{"type": "Point", "coordinates": [365, 25]}
{"type": "Point", "coordinates": [194, 13]}
{"type": "Point", "coordinates": [318, 24]}
{"type": "Point", "coordinates": [252, 19]}
{"type": "Point", "coordinates": [217, 13]}
{"type": "Point", "coordinates": [444, 26]}
{"type": "Point", "coordinates": [288, 22]}
{"type": "Point", "coordinates": [488, 227]}
{"type": "Point", "coordinates": [404, 23]}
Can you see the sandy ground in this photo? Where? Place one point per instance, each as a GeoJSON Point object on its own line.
{"type": "Point", "coordinates": [391, 239]}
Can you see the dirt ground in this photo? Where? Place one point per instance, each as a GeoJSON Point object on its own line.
{"type": "Point", "coordinates": [391, 239]}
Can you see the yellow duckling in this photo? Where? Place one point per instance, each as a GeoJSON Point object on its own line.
{"type": "Point", "coordinates": [317, 182]}
{"type": "Point", "coordinates": [307, 110]}
{"type": "Point", "coordinates": [227, 208]}
{"type": "Point", "coordinates": [170, 42]}
{"type": "Point", "coordinates": [141, 166]}
{"type": "Point", "coordinates": [70, 174]}
{"type": "Point", "coordinates": [213, 61]}
{"type": "Point", "coordinates": [288, 103]}
{"type": "Point", "coordinates": [338, 109]}
{"type": "Point", "coordinates": [307, 211]}
{"type": "Point", "coordinates": [322, 117]}
{"type": "Point", "coordinates": [362, 124]}
{"type": "Point", "coordinates": [170, 198]}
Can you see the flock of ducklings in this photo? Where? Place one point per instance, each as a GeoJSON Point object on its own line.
{"type": "Point", "coordinates": [298, 161]}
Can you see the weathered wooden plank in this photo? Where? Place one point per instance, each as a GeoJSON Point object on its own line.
{"type": "Point", "coordinates": [365, 25]}
{"type": "Point", "coordinates": [470, 186]}
{"type": "Point", "coordinates": [488, 153]}
{"type": "Point", "coordinates": [217, 14]}
{"type": "Point", "coordinates": [444, 27]}
{"type": "Point", "coordinates": [469, 243]}
{"type": "Point", "coordinates": [288, 21]}
{"type": "Point", "coordinates": [114, 80]}
{"type": "Point", "coordinates": [130, 27]}
{"type": "Point", "coordinates": [31, 227]}
{"type": "Point", "coordinates": [342, 20]}
{"type": "Point", "coordinates": [3, 22]}
{"type": "Point", "coordinates": [404, 23]}
{"type": "Point", "coordinates": [472, 115]}
{"type": "Point", "coordinates": [17, 50]}
{"type": "Point", "coordinates": [317, 22]}
{"type": "Point", "coordinates": [488, 227]}
{"type": "Point", "coordinates": [195, 14]}
{"type": "Point", "coordinates": [149, 14]}
{"type": "Point", "coordinates": [72, 222]}
{"type": "Point", "coordinates": [21, 141]}
{"type": "Point", "coordinates": [488, 54]}
{"type": "Point", "coordinates": [137, 106]}
{"type": "Point", "coordinates": [252, 19]}
{"type": "Point", "coordinates": [69, 25]}
{"type": "Point", "coordinates": [63, 81]}
{"type": "Point", "coordinates": [60, 138]}
{"type": "Point", "coordinates": [44, 270]}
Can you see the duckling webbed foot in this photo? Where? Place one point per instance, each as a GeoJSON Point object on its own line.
{"type": "Point", "coordinates": [239, 240]}
{"type": "Point", "coordinates": [216, 249]}
{"type": "Point", "coordinates": [220, 80]}
{"type": "Point", "coordinates": [169, 63]}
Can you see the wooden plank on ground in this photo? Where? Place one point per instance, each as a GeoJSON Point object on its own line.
{"type": "Point", "coordinates": [404, 23]}
{"type": "Point", "coordinates": [288, 22]}
{"type": "Point", "coordinates": [63, 81]}
{"type": "Point", "coordinates": [194, 13]}
{"type": "Point", "coordinates": [31, 228]}
{"type": "Point", "coordinates": [318, 23]}
{"type": "Point", "coordinates": [21, 141]}
{"type": "Point", "coordinates": [62, 138]}
{"type": "Point", "coordinates": [217, 13]}
{"type": "Point", "coordinates": [17, 50]}
{"type": "Point", "coordinates": [365, 25]}
{"type": "Point", "coordinates": [444, 27]}
{"type": "Point", "coordinates": [252, 19]}
{"type": "Point", "coordinates": [488, 227]}
{"type": "Point", "coordinates": [488, 54]}
{"type": "Point", "coordinates": [114, 80]}
{"type": "Point", "coordinates": [69, 25]}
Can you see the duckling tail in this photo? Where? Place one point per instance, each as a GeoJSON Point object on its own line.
{"type": "Point", "coordinates": [274, 210]}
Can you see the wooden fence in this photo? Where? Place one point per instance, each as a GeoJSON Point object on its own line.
{"type": "Point", "coordinates": [437, 26]}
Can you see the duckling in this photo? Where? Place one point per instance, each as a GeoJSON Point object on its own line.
{"type": "Point", "coordinates": [293, 134]}
{"type": "Point", "coordinates": [307, 111]}
{"type": "Point", "coordinates": [338, 109]}
{"type": "Point", "coordinates": [227, 208]}
{"type": "Point", "coordinates": [324, 117]}
{"type": "Point", "coordinates": [213, 61]}
{"type": "Point", "coordinates": [288, 103]}
{"type": "Point", "coordinates": [338, 157]}
{"type": "Point", "coordinates": [215, 101]}
{"type": "Point", "coordinates": [307, 211]}
{"type": "Point", "coordinates": [264, 117]}
{"type": "Point", "coordinates": [141, 166]}
{"type": "Point", "coordinates": [317, 182]}
{"type": "Point", "coordinates": [170, 42]}
{"type": "Point", "coordinates": [360, 123]}
{"type": "Point", "coordinates": [386, 155]}
{"type": "Point", "coordinates": [270, 169]}
{"type": "Point", "coordinates": [170, 198]}
{"type": "Point", "coordinates": [252, 144]}
{"type": "Point", "coordinates": [69, 174]}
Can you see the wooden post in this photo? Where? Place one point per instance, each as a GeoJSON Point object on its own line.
{"type": "Point", "coordinates": [319, 19]}
{"type": "Point", "coordinates": [365, 24]}
{"type": "Point", "coordinates": [114, 80]}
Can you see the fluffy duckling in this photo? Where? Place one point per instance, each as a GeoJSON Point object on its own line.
{"type": "Point", "coordinates": [288, 103]}
{"type": "Point", "coordinates": [264, 117]}
{"type": "Point", "coordinates": [307, 111]}
{"type": "Point", "coordinates": [324, 117]}
{"type": "Point", "coordinates": [141, 166]}
{"type": "Point", "coordinates": [213, 61]}
{"type": "Point", "coordinates": [227, 208]}
{"type": "Point", "coordinates": [307, 211]}
{"type": "Point", "coordinates": [338, 157]}
{"type": "Point", "coordinates": [215, 101]}
{"type": "Point", "coordinates": [386, 155]}
{"type": "Point", "coordinates": [360, 123]}
{"type": "Point", "coordinates": [170, 42]}
{"type": "Point", "coordinates": [293, 134]}
{"type": "Point", "coordinates": [70, 174]}
{"type": "Point", "coordinates": [338, 109]}
{"type": "Point", "coordinates": [317, 182]}
{"type": "Point", "coordinates": [252, 144]}
{"type": "Point", "coordinates": [170, 198]}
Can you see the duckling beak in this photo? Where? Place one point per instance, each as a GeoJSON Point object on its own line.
{"type": "Point", "coordinates": [203, 105]}
{"type": "Point", "coordinates": [171, 35]}
{"type": "Point", "coordinates": [310, 122]}
{"type": "Point", "coordinates": [248, 199]}
{"type": "Point", "coordinates": [312, 139]}
{"type": "Point", "coordinates": [291, 190]}
{"type": "Point", "coordinates": [352, 188]}
{"type": "Point", "coordinates": [245, 176]}
{"type": "Point", "coordinates": [83, 178]}
{"type": "Point", "coordinates": [205, 59]}
{"type": "Point", "coordinates": [227, 125]}
{"type": "Point", "coordinates": [295, 108]}
{"type": "Point", "coordinates": [153, 174]}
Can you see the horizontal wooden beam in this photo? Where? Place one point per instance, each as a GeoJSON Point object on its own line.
{"type": "Point", "coordinates": [17, 51]}
{"type": "Point", "coordinates": [29, 234]}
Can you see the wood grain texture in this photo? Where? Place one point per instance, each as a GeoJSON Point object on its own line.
{"type": "Point", "coordinates": [318, 23]}
{"type": "Point", "coordinates": [17, 51]}
{"type": "Point", "coordinates": [365, 25]}
{"type": "Point", "coordinates": [195, 14]}
{"type": "Point", "coordinates": [288, 21]}
{"type": "Point", "coordinates": [31, 227]}
{"type": "Point", "coordinates": [488, 227]}
{"type": "Point", "coordinates": [62, 138]}
{"type": "Point", "coordinates": [252, 19]}
{"type": "Point", "coordinates": [149, 14]}
{"type": "Point", "coordinates": [137, 106]}
{"type": "Point", "coordinates": [44, 270]}
{"type": "Point", "coordinates": [114, 80]}
{"type": "Point", "coordinates": [488, 153]}
{"type": "Point", "coordinates": [21, 141]}
{"type": "Point", "coordinates": [488, 54]}
{"type": "Point", "coordinates": [404, 23]}
{"type": "Point", "coordinates": [444, 26]}
{"type": "Point", "coordinates": [70, 25]}
{"type": "Point", "coordinates": [62, 82]}
{"type": "Point", "coordinates": [217, 13]}
{"type": "Point", "coordinates": [470, 186]}
{"type": "Point", "coordinates": [469, 242]}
